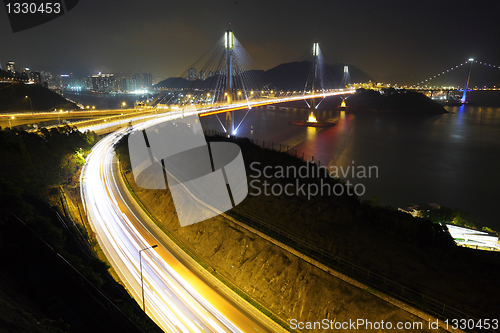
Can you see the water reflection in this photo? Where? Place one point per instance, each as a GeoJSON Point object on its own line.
{"type": "Point", "coordinates": [451, 159]}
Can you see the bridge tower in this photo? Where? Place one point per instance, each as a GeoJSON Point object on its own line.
{"type": "Point", "coordinates": [229, 46]}
{"type": "Point", "coordinates": [312, 112]}
{"type": "Point", "coordinates": [343, 84]}
{"type": "Point", "coordinates": [345, 78]}
{"type": "Point", "coordinates": [466, 86]}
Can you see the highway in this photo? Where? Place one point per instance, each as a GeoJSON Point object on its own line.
{"type": "Point", "coordinates": [29, 119]}
{"type": "Point", "coordinates": [179, 295]}
{"type": "Point", "coordinates": [178, 298]}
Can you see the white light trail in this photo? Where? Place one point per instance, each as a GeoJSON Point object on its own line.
{"type": "Point", "coordinates": [171, 301]}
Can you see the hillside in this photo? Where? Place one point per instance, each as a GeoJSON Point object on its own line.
{"type": "Point", "coordinates": [395, 101]}
{"type": "Point", "coordinates": [51, 279]}
{"type": "Point", "coordinates": [13, 98]}
{"type": "Point", "coordinates": [256, 83]}
{"type": "Point", "coordinates": [280, 281]}
{"type": "Point", "coordinates": [413, 252]}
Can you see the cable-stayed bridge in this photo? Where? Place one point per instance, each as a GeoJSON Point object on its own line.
{"type": "Point", "coordinates": [224, 80]}
{"type": "Point", "coordinates": [431, 86]}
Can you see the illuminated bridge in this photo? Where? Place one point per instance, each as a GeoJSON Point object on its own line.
{"type": "Point", "coordinates": [175, 291]}
{"type": "Point", "coordinates": [427, 86]}
{"type": "Point", "coordinates": [228, 84]}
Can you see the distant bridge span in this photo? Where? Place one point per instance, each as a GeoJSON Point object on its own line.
{"type": "Point", "coordinates": [105, 120]}
{"type": "Point", "coordinates": [247, 105]}
{"type": "Point", "coordinates": [109, 125]}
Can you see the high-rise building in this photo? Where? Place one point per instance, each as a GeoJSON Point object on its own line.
{"type": "Point", "coordinates": [103, 83]}
{"type": "Point", "coordinates": [45, 76]}
{"type": "Point", "coordinates": [137, 79]}
{"type": "Point", "coordinates": [191, 74]}
{"type": "Point", "coordinates": [147, 80]}
{"type": "Point", "coordinates": [201, 75]}
{"type": "Point", "coordinates": [87, 83]}
{"type": "Point", "coordinates": [65, 80]}
{"type": "Point", "coordinates": [128, 84]}
{"type": "Point", "coordinates": [26, 73]}
{"type": "Point", "coordinates": [11, 67]}
{"type": "Point", "coordinates": [36, 77]}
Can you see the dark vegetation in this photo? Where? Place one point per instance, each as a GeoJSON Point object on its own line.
{"type": "Point", "coordinates": [394, 100]}
{"type": "Point", "coordinates": [50, 278]}
{"type": "Point", "coordinates": [13, 98]}
{"type": "Point", "coordinates": [450, 215]}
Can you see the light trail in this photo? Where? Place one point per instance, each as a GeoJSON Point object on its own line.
{"type": "Point", "coordinates": [177, 299]}
{"type": "Point", "coordinates": [241, 106]}
{"type": "Point", "coordinates": [211, 110]}
{"type": "Point", "coordinates": [54, 114]}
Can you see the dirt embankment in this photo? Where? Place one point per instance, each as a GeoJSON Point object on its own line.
{"type": "Point", "coordinates": [280, 281]}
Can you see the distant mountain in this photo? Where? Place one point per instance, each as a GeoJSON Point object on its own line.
{"type": "Point", "coordinates": [289, 76]}
{"type": "Point", "coordinates": [293, 75]}
{"type": "Point", "coordinates": [254, 79]}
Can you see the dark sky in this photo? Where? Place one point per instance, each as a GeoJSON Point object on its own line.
{"type": "Point", "coordinates": [418, 38]}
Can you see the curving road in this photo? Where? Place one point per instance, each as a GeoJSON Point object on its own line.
{"type": "Point", "coordinates": [178, 296]}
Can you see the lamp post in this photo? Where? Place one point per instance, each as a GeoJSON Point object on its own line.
{"type": "Point", "coordinates": [142, 281]}
{"type": "Point", "coordinates": [10, 124]}
{"type": "Point", "coordinates": [30, 103]}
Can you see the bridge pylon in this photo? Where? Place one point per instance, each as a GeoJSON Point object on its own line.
{"type": "Point", "coordinates": [312, 109]}
{"type": "Point", "coordinates": [466, 86]}
{"type": "Point", "coordinates": [229, 46]}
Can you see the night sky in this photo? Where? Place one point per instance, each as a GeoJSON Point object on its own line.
{"type": "Point", "coordinates": [417, 38]}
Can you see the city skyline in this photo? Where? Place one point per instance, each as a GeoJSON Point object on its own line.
{"type": "Point", "coordinates": [166, 39]}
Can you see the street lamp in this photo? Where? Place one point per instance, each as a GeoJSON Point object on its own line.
{"type": "Point", "coordinates": [124, 104]}
{"type": "Point", "coordinates": [12, 117]}
{"type": "Point", "coordinates": [30, 103]}
{"type": "Point", "coordinates": [142, 281]}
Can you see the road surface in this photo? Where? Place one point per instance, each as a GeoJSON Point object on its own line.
{"type": "Point", "coordinates": [178, 297]}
